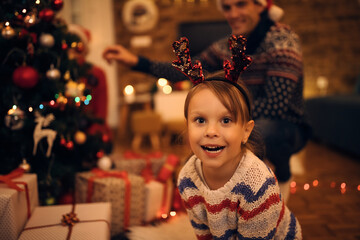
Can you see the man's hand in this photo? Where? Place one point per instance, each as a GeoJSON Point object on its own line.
{"type": "Point", "coordinates": [121, 55]}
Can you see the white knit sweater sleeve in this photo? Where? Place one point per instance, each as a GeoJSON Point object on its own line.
{"type": "Point", "coordinates": [260, 208]}
{"type": "Point", "coordinates": [189, 179]}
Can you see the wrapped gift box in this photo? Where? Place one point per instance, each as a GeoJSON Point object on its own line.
{"type": "Point", "coordinates": [46, 223]}
{"type": "Point", "coordinates": [158, 199]}
{"type": "Point", "coordinates": [135, 163]}
{"type": "Point", "coordinates": [17, 206]}
{"type": "Point", "coordinates": [124, 191]}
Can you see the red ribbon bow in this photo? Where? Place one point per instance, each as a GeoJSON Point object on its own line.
{"type": "Point", "coordinates": [7, 179]}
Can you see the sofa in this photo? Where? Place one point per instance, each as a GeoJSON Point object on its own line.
{"type": "Point", "coordinates": [335, 120]}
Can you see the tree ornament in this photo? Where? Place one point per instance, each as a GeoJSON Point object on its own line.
{"type": "Point", "coordinates": [8, 32]}
{"type": "Point", "coordinates": [15, 119]}
{"type": "Point", "coordinates": [30, 49]}
{"type": "Point", "coordinates": [47, 40]}
{"type": "Point", "coordinates": [57, 4]}
{"type": "Point", "coordinates": [80, 137]}
{"type": "Point", "coordinates": [64, 45]}
{"type": "Point", "coordinates": [105, 138]}
{"type": "Point", "coordinates": [53, 73]}
{"type": "Point", "coordinates": [62, 141]}
{"type": "Point", "coordinates": [67, 198]}
{"type": "Point", "coordinates": [46, 14]}
{"type": "Point", "coordinates": [25, 77]}
{"type": "Point", "coordinates": [30, 19]}
{"type": "Point", "coordinates": [100, 154]}
{"type": "Point", "coordinates": [67, 75]}
{"type": "Point", "coordinates": [25, 165]}
{"type": "Point", "coordinates": [104, 163]}
{"type": "Point", "coordinates": [70, 145]}
{"type": "Point", "coordinates": [40, 133]}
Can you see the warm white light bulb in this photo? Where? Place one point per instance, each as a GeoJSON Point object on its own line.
{"type": "Point", "coordinates": [129, 90]}
{"type": "Point", "coordinates": [167, 89]}
{"type": "Point", "coordinates": [162, 82]}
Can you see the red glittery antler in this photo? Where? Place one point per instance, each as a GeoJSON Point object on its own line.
{"type": "Point", "coordinates": [240, 61]}
{"type": "Point", "coordinates": [183, 63]}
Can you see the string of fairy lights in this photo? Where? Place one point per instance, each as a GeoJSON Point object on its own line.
{"type": "Point", "coordinates": [341, 187]}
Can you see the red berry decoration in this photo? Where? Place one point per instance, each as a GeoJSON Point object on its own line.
{"type": "Point", "coordinates": [70, 145]}
{"type": "Point", "coordinates": [25, 77]}
{"type": "Point", "coordinates": [57, 4]}
{"type": "Point", "coordinates": [46, 14]}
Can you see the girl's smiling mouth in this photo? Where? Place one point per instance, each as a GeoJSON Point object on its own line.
{"type": "Point", "coordinates": [213, 149]}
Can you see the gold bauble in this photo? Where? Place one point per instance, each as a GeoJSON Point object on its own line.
{"type": "Point", "coordinates": [80, 137]}
{"type": "Point", "coordinates": [25, 165]}
{"type": "Point", "coordinates": [8, 32]}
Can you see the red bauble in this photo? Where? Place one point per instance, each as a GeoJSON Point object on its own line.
{"type": "Point", "coordinates": [64, 46]}
{"type": "Point", "coordinates": [57, 4]}
{"type": "Point", "coordinates": [25, 77]}
{"type": "Point", "coordinates": [67, 198]}
{"type": "Point", "coordinates": [46, 14]}
{"type": "Point", "coordinates": [70, 145]}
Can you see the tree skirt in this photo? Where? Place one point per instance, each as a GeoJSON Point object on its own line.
{"type": "Point", "coordinates": [176, 228]}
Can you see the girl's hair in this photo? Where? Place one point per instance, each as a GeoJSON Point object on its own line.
{"type": "Point", "coordinates": [234, 101]}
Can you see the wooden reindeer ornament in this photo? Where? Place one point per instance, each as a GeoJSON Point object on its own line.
{"type": "Point", "coordinates": [40, 133]}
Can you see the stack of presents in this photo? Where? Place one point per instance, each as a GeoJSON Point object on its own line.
{"type": "Point", "coordinates": [138, 191]}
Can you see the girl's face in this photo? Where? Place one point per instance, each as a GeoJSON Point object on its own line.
{"type": "Point", "coordinates": [214, 136]}
{"type": "Point", "coordinates": [242, 15]}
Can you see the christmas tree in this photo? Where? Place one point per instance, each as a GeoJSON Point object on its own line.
{"type": "Point", "coordinates": [46, 98]}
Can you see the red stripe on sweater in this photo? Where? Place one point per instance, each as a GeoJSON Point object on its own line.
{"type": "Point", "coordinates": [273, 199]}
{"type": "Point", "coordinates": [226, 203]}
{"type": "Point", "coordinates": [281, 215]}
{"type": "Point", "coordinates": [204, 237]}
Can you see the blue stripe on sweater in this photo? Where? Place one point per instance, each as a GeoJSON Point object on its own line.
{"type": "Point", "coordinates": [199, 226]}
{"type": "Point", "coordinates": [228, 233]}
{"type": "Point", "coordinates": [231, 232]}
{"type": "Point", "coordinates": [186, 183]}
{"type": "Point", "coordinates": [245, 190]}
{"type": "Point", "coordinates": [292, 226]}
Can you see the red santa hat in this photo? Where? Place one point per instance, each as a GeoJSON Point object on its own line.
{"type": "Point", "coordinates": [275, 13]}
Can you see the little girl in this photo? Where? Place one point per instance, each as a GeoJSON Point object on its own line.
{"type": "Point", "coordinates": [228, 192]}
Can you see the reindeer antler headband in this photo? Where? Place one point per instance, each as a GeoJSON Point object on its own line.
{"type": "Point", "coordinates": [240, 62]}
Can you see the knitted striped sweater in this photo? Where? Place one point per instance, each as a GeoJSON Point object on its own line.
{"type": "Point", "coordinates": [248, 206]}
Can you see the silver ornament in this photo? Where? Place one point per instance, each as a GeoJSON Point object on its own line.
{"type": "Point", "coordinates": [104, 163]}
{"type": "Point", "coordinates": [47, 40]}
{"type": "Point", "coordinates": [53, 73]}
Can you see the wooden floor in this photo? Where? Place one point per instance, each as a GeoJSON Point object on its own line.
{"type": "Point", "coordinates": [331, 209]}
{"type": "Point", "coordinates": [326, 199]}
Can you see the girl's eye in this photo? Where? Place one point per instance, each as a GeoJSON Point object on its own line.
{"type": "Point", "coordinates": [199, 120]}
{"type": "Point", "coordinates": [226, 120]}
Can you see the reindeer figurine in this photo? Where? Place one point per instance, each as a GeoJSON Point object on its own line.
{"type": "Point", "coordinates": [40, 133]}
